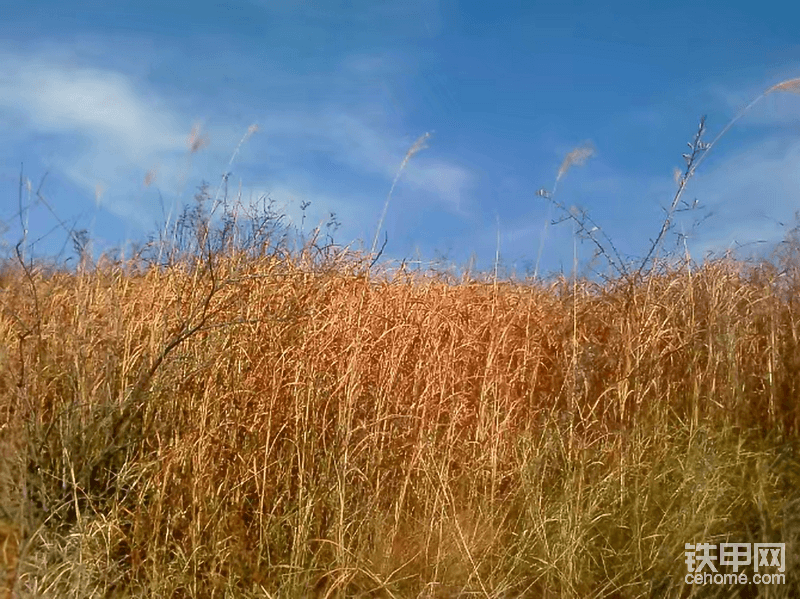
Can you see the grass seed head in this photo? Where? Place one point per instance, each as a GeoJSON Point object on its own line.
{"type": "Point", "coordinates": [578, 156]}
{"type": "Point", "coordinates": [790, 85]}
{"type": "Point", "coordinates": [196, 141]}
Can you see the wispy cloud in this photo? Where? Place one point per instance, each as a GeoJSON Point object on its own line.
{"type": "Point", "coordinates": [776, 109]}
{"type": "Point", "coordinates": [340, 93]}
{"type": "Point", "coordinates": [98, 103]}
{"type": "Point", "coordinates": [125, 134]}
{"type": "Point", "coordinates": [113, 133]}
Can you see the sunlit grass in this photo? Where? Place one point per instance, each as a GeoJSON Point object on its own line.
{"type": "Point", "coordinates": [219, 417]}
{"type": "Point", "coordinates": [394, 440]}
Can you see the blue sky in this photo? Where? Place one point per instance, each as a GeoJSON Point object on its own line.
{"type": "Point", "coordinates": [99, 97]}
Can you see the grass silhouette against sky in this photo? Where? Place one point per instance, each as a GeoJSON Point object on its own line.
{"type": "Point", "coordinates": [104, 99]}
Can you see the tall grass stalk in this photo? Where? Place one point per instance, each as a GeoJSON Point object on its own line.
{"type": "Point", "coordinates": [419, 145]}
{"type": "Point", "coordinates": [698, 152]}
{"type": "Point", "coordinates": [578, 157]}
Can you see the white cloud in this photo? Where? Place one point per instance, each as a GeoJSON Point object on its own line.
{"type": "Point", "coordinates": [99, 103]}
{"type": "Point", "coordinates": [113, 133]}
{"type": "Point", "coordinates": [365, 148]}
{"type": "Point", "coordinates": [116, 129]}
{"type": "Point", "coordinates": [449, 182]}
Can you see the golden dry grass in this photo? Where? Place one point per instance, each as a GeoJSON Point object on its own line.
{"type": "Point", "coordinates": [391, 439]}
{"type": "Point", "coordinates": [9, 556]}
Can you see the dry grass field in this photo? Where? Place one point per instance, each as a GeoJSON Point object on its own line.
{"type": "Point", "coordinates": [265, 424]}
{"type": "Point", "coordinates": [322, 434]}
